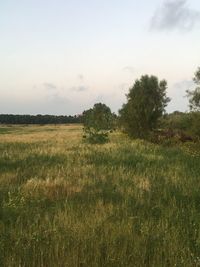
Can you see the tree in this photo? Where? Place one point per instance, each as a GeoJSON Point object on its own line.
{"type": "Point", "coordinates": [98, 122]}
{"type": "Point", "coordinates": [194, 96]}
{"type": "Point", "coordinates": [194, 104]}
{"type": "Point", "coordinates": [146, 102]}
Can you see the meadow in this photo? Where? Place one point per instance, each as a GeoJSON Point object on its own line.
{"type": "Point", "coordinates": [64, 202]}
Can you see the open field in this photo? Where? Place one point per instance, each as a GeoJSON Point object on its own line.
{"type": "Point", "coordinates": [125, 203]}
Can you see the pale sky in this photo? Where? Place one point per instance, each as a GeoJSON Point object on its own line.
{"type": "Point", "coordinates": [62, 56]}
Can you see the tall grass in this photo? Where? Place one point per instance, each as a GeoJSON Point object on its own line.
{"type": "Point", "coordinates": [67, 203]}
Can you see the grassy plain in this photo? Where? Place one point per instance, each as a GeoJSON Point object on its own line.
{"type": "Point", "coordinates": [67, 203]}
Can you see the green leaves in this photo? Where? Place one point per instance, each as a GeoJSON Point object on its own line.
{"type": "Point", "coordinates": [146, 103]}
{"type": "Point", "coordinates": [194, 96]}
{"type": "Point", "coordinates": [194, 99]}
{"type": "Point", "coordinates": [98, 121]}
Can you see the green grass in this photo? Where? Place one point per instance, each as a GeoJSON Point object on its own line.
{"type": "Point", "coordinates": [125, 203]}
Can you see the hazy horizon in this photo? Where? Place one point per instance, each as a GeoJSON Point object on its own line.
{"type": "Point", "coordinates": [60, 57]}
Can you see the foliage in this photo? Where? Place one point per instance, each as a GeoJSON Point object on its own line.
{"type": "Point", "coordinates": [38, 119]}
{"type": "Point", "coordinates": [194, 104]}
{"type": "Point", "coordinates": [182, 122]}
{"type": "Point", "coordinates": [194, 96]}
{"type": "Point", "coordinates": [146, 103]}
{"type": "Point", "coordinates": [195, 123]}
{"type": "Point", "coordinates": [98, 122]}
{"type": "Point", "coordinates": [176, 121]}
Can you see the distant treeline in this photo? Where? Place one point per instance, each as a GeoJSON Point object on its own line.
{"type": "Point", "coordinates": [38, 119]}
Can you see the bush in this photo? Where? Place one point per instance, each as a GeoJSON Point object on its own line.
{"type": "Point", "coordinates": [96, 137]}
{"type": "Point", "coordinates": [186, 123]}
{"type": "Point", "coordinates": [98, 122]}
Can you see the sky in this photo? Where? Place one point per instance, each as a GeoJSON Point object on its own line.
{"type": "Point", "coordinates": [63, 56]}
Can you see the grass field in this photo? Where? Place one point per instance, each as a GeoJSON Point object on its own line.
{"type": "Point", "coordinates": [67, 203]}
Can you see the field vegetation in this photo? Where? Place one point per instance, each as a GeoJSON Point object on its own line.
{"type": "Point", "coordinates": [65, 202]}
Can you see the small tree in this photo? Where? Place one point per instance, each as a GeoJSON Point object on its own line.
{"type": "Point", "coordinates": [194, 104]}
{"type": "Point", "coordinates": [98, 122]}
{"type": "Point", "coordinates": [194, 96]}
{"type": "Point", "coordinates": [146, 102]}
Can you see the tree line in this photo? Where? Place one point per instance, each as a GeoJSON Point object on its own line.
{"type": "Point", "coordinates": [38, 119]}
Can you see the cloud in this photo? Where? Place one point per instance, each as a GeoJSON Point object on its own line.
{"type": "Point", "coordinates": [80, 77]}
{"type": "Point", "coordinates": [53, 94]}
{"type": "Point", "coordinates": [174, 15]}
{"type": "Point", "coordinates": [130, 69]}
{"type": "Point", "coordinates": [50, 86]}
{"type": "Point", "coordinates": [58, 99]}
{"type": "Point", "coordinates": [80, 88]}
{"type": "Point", "coordinates": [184, 85]}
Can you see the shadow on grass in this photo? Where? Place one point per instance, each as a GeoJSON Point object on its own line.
{"type": "Point", "coordinates": [129, 159]}
{"type": "Point", "coordinates": [31, 164]}
{"type": "Point", "coordinates": [104, 190]}
{"type": "Point", "coordinates": [144, 160]}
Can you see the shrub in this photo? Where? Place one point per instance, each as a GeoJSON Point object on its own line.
{"type": "Point", "coordinates": [98, 122]}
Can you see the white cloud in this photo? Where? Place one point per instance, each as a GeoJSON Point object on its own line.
{"type": "Point", "coordinates": [50, 86]}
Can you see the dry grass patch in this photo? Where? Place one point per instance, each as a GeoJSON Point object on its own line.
{"type": "Point", "coordinates": [8, 179]}
{"type": "Point", "coordinates": [143, 183]}
{"type": "Point", "coordinates": [50, 189]}
{"type": "Point", "coordinates": [55, 133]}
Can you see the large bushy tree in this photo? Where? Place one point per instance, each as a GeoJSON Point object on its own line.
{"type": "Point", "coordinates": [146, 102]}
{"type": "Point", "coordinates": [98, 122]}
